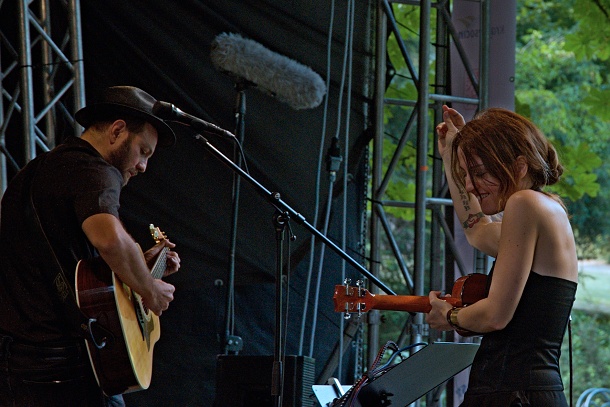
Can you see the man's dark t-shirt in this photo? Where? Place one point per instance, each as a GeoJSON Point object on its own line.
{"type": "Point", "coordinates": [72, 183]}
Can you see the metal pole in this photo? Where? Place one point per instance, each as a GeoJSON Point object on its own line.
{"type": "Point", "coordinates": [78, 65]}
{"type": "Point", "coordinates": [484, 54]}
{"type": "Point", "coordinates": [422, 164]}
{"type": "Point", "coordinates": [27, 92]}
{"type": "Point", "coordinates": [437, 278]}
{"type": "Point", "coordinates": [377, 176]}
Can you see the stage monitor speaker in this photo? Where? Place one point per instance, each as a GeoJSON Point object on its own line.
{"type": "Point", "coordinates": [245, 381]}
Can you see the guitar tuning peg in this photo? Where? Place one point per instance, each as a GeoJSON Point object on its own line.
{"type": "Point", "coordinates": [360, 307]}
{"type": "Point", "coordinates": [346, 313]}
{"type": "Point", "coordinates": [361, 289]}
{"type": "Point", "coordinates": [360, 284]}
{"type": "Point", "coordinates": [346, 284]}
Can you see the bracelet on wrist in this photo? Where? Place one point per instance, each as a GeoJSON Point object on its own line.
{"type": "Point", "coordinates": [452, 319]}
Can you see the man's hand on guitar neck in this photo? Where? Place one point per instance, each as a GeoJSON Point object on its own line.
{"type": "Point", "coordinates": [125, 258]}
{"type": "Point", "coordinates": [173, 259]}
{"type": "Point", "coordinates": [162, 292]}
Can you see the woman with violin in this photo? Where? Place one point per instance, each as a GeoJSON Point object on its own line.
{"type": "Point", "coordinates": [500, 162]}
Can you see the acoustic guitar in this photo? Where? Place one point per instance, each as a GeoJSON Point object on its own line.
{"type": "Point", "coordinates": [123, 362]}
{"type": "Point", "coordinates": [349, 299]}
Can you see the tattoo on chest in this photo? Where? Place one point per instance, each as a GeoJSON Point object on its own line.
{"type": "Point", "coordinates": [472, 220]}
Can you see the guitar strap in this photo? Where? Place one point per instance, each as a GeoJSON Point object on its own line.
{"type": "Point", "coordinates": [86, 327]}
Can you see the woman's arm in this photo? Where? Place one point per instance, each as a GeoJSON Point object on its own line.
{"type": "Point", "coordinates": [480, 230]}
{"type": "Point", "coordinates": [515, 258]}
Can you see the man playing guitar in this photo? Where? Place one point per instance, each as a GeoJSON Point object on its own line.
{"type": "Point", "coordinates": [61, 208]}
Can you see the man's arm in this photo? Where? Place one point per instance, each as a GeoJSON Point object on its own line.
{"type": "Point", "coordinates": [125, 259]}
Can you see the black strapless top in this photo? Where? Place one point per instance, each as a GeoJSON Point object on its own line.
{"type": "Point", "coordinates": [525, 354]}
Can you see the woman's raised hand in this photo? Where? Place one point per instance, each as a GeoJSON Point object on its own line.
{"type": "Point", "coordinates": [452, 122]}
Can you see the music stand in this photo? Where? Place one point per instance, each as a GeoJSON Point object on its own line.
{"type": "Point", "coordinates": [408, 380]}
{"type": "Point", "coordinates": [415, 376]}
{"type": "Point", "coordinates": [326, 394]}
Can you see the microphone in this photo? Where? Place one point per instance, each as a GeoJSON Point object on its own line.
{"type": "Point", "coordinates": [283, 78]}
{"type": "Point", "coordinates": [167, 111]}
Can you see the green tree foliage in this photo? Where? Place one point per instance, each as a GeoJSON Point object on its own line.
{"type": "Point", "coordinates": [590, 353]}
{"type": "Point", "coordinates": [562, 84]}
{"type": "Point", "coordinates": [591, 38]}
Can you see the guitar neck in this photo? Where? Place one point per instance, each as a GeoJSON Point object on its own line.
{"type": "Point", "coordinates": [160, 265]}
{"type": "Point", "coordinates": [409, 303]}
{"type": "Point", "coordinates": [466, 290]}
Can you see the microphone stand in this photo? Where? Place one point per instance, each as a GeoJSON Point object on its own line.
{"type": "Point", "coordinates": [233, 343]}
{"type": "Point", "coordinates": [281, 206]}
{"type": "Point", "coordinates": [281, 222]}
{"type": "Point", "coordinates": [281, 218]}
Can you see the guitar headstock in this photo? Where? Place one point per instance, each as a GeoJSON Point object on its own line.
{"type": "Point", "coordinates": [156, 233]}
{"type": "Point", "coordinates": [349, 299]}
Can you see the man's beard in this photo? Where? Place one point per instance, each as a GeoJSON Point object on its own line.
{"type": "Point", "coordinates": [119, 158]}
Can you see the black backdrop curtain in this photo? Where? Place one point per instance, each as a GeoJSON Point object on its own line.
{"type": "Point", "coordinates": [163, 47]}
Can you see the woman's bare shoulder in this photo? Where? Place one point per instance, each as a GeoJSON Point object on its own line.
{"type": "Point", "coordinates": [535, 201]}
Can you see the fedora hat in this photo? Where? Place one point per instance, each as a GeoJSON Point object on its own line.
{"type": "Point", "coordinates": [130, 101]}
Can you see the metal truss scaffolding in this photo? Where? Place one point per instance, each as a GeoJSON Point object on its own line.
{"type": "Point", "coordinates": [41, 77]}
{"type": "Point", "coordinates": [431, 80]}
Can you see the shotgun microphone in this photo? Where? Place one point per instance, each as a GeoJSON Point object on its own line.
{"type": "Point", "coordinates": [281, 77]}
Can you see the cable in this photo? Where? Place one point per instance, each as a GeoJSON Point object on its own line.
{"type": "Point", "coordinates": [312, 244]}
{"type": "Point", "coordinates": [570, 359]}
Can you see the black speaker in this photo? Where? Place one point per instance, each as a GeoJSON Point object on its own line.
{"type": "Point", "coordinates": [245, 381]}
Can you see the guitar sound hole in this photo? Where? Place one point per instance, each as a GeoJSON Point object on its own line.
{"type": "Point", "coordinates": [141, 309]}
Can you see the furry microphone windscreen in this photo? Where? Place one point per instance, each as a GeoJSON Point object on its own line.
{"type": "Point", "coordinates": [285, 79]}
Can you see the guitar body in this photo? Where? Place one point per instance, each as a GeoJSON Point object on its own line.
{"type": "Point", "coordinates": [469, 289]}
{"type": "Point", "coordinates": [124, 364]}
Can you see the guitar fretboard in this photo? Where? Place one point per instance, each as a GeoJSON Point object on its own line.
{"type": "Point", "coordinates": [160, 264]}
